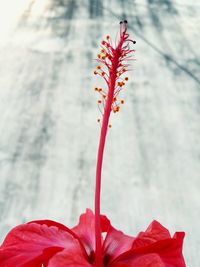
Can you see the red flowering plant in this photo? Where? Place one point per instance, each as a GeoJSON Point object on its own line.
{"type": "Point", "coordinates": [94, 241]}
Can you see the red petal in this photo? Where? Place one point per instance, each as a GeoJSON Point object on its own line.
{"type": "Point", "coordinates": [116, 243]}
{"type": "Point", "coordinates": [85, 230]}
{"type": "Point", "coordinates": [163, 253]}
{"type": "Point", "coordinates": [154, 232]}
{"type": "Point", "coordinates": [30, 245]}
{"type": "Point", "coordinates": [72, 257]}
{"type": "Point", "coordinates": [53, 223]}
{"type": "Point", "coordinates": [151, 260]}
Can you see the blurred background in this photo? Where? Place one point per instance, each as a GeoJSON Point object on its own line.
{"type": "Point", "coordinates": [48, 115]}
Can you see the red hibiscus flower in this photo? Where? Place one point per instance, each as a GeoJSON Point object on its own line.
{"type": "Point", "coordinates": [50, 244]}
{"type": "Point", "coordinates": [94, 241]}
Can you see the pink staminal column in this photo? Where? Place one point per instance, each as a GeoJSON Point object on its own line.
{"type": "Point", "coordinates": [111, 69]}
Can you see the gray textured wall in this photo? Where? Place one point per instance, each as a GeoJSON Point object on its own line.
{"type": "Point", "coordinates": [48, 112]}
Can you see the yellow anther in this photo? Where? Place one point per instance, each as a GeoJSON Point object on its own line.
{"type": "Point", "coordinates": [119, 84]}
{"type": "Point", "coordinates": [116, 109]}
{"type": "Point", "coordinates": [99, 56]}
